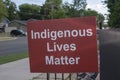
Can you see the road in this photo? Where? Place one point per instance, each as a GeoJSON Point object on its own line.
{"type": "Point", "coordinates": [13, 46]}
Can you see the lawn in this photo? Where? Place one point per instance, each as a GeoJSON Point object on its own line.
{"type": "Point", "coordinates": [12, 57]}
{"type": "Point", "coordinates": [3, 34]}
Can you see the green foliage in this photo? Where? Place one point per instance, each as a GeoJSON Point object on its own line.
{"type": "Point", "coordinates": [28, 11]}
{"type": "Point", "coordinates": [55, 3]}
{"type": "Point", "coordinates": [90, 12]}
{"type": "Point", "coordinates": [52, 9]}
{"type": "Point", "coordinates": [11, 9]}
{"type": "Point", "coordinates": [79, 4]}
{"type": "Point", "coordinates": [56, 14]}
{"type": "Point", "coordinates": [99, 17]}
{"type": "Point", "coordinates": [70, 11]}
{"type": "Point", "coordinates": [114, 9]}
{"type": "Point", "coordinates": [12, 12]}
{"type": "Point", "coordinates": [12, 57]}
{"type": "Point", "coordinates": [75, 9]}
{"type": "Point", "coordinates": [3, 10]}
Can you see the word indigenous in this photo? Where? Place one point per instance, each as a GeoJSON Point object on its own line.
{"type": "Point", "coordinates": [53, 35]}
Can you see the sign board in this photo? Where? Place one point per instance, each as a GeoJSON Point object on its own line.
{"type": "Point", "coordinates": [63, 45]}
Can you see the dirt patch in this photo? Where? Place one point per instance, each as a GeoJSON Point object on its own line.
{"type": "Point", "coordinates": [7, 38]}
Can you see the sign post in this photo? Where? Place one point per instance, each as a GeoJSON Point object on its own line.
{"type": "Point", "coordinates": [48, 76]}
{"type": "Point", "coordinates": [63, 45]}
{"type": "Point", "coordinates": [62, 76]}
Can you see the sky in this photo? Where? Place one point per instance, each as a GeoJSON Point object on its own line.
{"type": "Point", "coordinates": [93, 4]}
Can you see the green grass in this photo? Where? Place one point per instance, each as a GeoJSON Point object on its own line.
{"type": "Point", "coordinates": [12, 57]}
{"type": "Point", "coordinates": [3, 34]}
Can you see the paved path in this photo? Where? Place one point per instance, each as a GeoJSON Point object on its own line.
{"type": "Point", "coordinates": [19, 70]}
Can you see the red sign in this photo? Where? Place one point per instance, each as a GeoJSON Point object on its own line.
{"type": "Point", "coordinates": [63, 45]}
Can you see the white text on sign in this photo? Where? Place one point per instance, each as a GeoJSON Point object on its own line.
{"type": "Point", "coordinates": [54, 47]}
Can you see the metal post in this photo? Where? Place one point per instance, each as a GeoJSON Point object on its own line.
{"type": "Point", "coordinates": [77, 76]}
{"type": "Point", "coordinates": [48, 76]}
{"type": "Point", "coordinates": [70, 76]}
{"type": "Point", "coordinates": [55, 76]}
{"type": "Point", "coordinates": [62, 76]}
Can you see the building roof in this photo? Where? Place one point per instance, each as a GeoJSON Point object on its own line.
{"type": "Point", "coordinates": [4, 22]}
{"type": "Point", "coordinates": [23, 22]}
{"type": "Point", "coordinates": [20, 22]}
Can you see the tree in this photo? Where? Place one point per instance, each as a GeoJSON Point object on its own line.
{"type": "Point", "coordinates": [114, 9]}
{"type": "Point", "coordinates": [3, 10]}
{"type": "Point", "coordinates": [70, 11]}
{"type": "Point", "coordinates": [76, 8]}
{"type": "Point", "coordinates": [79, 4]}
{"type": "Point", "coordinates": [56, 14]}
{"type": "Point", "coordinates": [11, 9]}
{"type": "Point", "coordinates": [99, 16]}
{"type": "Point", "coordinates": [52, 9]}
{"type": "Point", "coordinates": [90, 12]}
{"type": "Point", "coordinates": [28, 11]}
